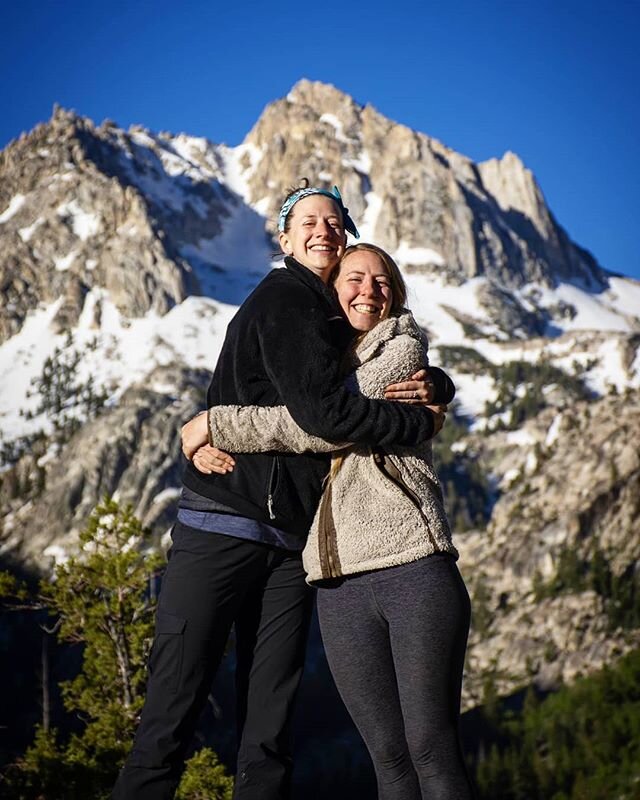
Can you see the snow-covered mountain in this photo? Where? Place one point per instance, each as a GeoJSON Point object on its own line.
{"type": "Point", "coordinates": [124, 255]}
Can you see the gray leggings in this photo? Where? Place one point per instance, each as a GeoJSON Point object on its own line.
{"type": "Point", "coordinates": [395, 641]}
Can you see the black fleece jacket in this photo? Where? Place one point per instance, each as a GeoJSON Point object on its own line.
{"type": "Point", "coordinates": [285, 346]}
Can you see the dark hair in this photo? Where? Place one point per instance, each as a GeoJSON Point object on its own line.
{"type": "Point", "coordinates": [398, 286]}
{"type": "Point", "coordinates": [304, 184]}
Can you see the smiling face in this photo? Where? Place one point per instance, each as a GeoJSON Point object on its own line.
{"type": "Point", "coordinates": [364, 289]}
{"type": "Point", "coordinates": [315, 235]}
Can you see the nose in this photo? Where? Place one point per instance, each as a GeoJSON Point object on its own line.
{"type": "Point", "coordinates": [323, 228]}
{"type": "Point", "coordinates": [370, 287]}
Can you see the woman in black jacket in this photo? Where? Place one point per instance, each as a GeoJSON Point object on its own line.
{"type": "Point", "coordinates": [236, 547]}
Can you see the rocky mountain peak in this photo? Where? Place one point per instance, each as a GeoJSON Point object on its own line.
{"type": "Point", "coordinates": [325, 96]}
{"type": "Point", "coordinates": [148, 217]}
{"type": "Point", "coordinates": [434, 208]}
{"type": "Point", "coordinates": [514, 187]}
{"type": "Point", "coordinates": [63, 119]}
{"type": "Point", "coordinates": [86, 208]}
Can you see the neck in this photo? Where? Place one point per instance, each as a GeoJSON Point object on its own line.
{"type": "Point", "coordinates": [323, 274]}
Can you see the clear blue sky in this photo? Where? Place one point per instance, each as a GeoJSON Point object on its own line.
{"type": "Point", "coordinates": [556, 81]}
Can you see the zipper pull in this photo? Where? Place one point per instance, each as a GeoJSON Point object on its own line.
{"type": "Point", "coordinates": [270, 507]}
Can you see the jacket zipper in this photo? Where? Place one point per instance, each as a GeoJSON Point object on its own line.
{"type": "Point", "coordinates": [329, 559]}
{"type": "Point", "coordinates": [393, 474]}
{"type": "Point", "coordinates": [273, 480]}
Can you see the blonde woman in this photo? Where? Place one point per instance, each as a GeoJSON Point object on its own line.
{"type": "Point", "coordinates": [393, 609]}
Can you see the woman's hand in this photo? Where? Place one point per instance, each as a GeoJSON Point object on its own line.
{"type": "Point", "coordinates": [209, 459]}
{"type": "Point", "coordinates": [194, 434]}
{"type": "Point", "coordinates": [418, 390]}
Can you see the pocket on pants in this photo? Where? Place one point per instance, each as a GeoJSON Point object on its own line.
{"type": "Point", "coordinates": [165, 662]}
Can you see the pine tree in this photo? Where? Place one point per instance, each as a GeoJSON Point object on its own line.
{"type": "Point", "coordinates": [102, 600]}
{"type": "Point", "coordinates": [205, 778]}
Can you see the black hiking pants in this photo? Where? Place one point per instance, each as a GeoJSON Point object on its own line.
{"type": "Point", "coordinates": [213, 581]}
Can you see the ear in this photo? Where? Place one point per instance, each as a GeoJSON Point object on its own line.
{"type": "Point", "coordinates": [285, 244]}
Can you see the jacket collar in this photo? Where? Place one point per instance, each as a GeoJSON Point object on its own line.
{"type": "Point", "coordinates": [311, 280]}
{"type": "Point", "coordinates": [396, 325]}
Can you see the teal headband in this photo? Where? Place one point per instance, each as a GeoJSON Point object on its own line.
{"type": "Point", "coordinates": [334, 194]}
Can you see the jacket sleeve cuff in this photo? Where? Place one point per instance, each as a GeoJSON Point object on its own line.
{"type": "Point", "coordinates": [432, 422]}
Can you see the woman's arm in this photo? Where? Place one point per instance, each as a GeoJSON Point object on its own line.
{"type": "Point", "coordinates": [208, 458]}
{"type": "Point", "coordinates": [251, 429]}
{"type": "Point", "coordinates": [256, 429]}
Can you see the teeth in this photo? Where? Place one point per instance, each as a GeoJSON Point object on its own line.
{"type": "Point", "coordinates": [361, 308]}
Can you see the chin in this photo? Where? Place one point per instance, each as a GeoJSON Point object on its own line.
{"type": "Point", "coordinates": [364, 324]}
